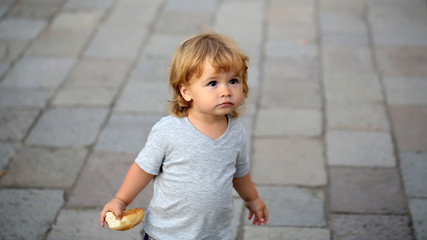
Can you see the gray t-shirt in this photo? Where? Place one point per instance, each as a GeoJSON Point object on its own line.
{"type": "Point", "coordinates": [193, 187]}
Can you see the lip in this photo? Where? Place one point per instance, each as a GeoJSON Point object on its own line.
{"type": "Point", "coordinates": [226, 104]}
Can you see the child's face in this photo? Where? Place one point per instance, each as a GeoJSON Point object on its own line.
{"type": "Point", "coordinates": [214, 93]}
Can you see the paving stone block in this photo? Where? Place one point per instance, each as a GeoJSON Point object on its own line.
{"type": "Point", "coordinates": [133, 13]}
{"type": "Point", "coordinates": [285, 233]}
{"type": "Point", "coordinates": [20, 28]}
{"type": "Point", "coordinates": [105, 172]}
{"type": "Point", "coordinates": [381, 227]}
{"type": "Point", "coordinates": [30, 212]}
{"type": "Point", "coordinates": [31, 10]}
{"type": "Point", "coordinates": [38, 167]}
{"type": "Point", "coordinates": [24, 97]}
{"type": "Point", "coordinates": [352, 87]}
{"type": "Point", "coordinates": [7, 150]}
{"type": "Point", "coordinates": [345, 59]}
{"type": "Point", "coordinates": [406, 61]}
{"type": "Point", "coordinates": [126, 132]}
{"type": "Point", "coordinates": [182, 22]}
{"type": "Point", "coordinates": [288, 122]}
{"type": "Point", "coordinates": [292, 206]}
{"type": "Point", "coordinates": [290, 93]}
{"type": "Point", "coordinates": [162, 45]}
{"type": "Point", "coordinates": [70, 20]}
{"type": "Point", "coordinates": [303, 69]}
{"type": "Point", "coordinates": [358, 116]}
{"type": "Point", "coordinates": [409, 125]}
{"type": "Point", "coordinates": [33, 72]}
{"type": "Point", "coordinates": [192, 5]}
{"type": "Point", "coordinates": [84, 97]}
{"type": "Point", "coordinates": [406, 91]}
{"type": "Point", "coordinates": [419, 217]}
{"type": "Point", "coordinates": [357, 148]}
{"type": "Point", "coordinates": [366, 190]}
{"type": "Point", "coordinates": [84, 224]}
{"type": "Point", "coordinates": [151, 70]}
{"type": "Point", "coordinates": [340, 39]}
{"type": "Point", "coordinates": [68, 127]}
{"type": "Point", "coordinates": [144, 97]}
{"type": "Point", "coordinates": [116, 42]}
{"type": "Point", "coordinates": [95, 4]}
{"type": "Point", "coordinates": [14, 122]}
{"type": "Point", "coordinates": [414, 168]}
{"type": "Point", "coordinates": [282, 49]}
{"type": "Point", "coordinates": [11, 49]}
{"type": "Point", "coordinates": [334, 21]}
{"type": "Point", "coordinates": [288, 161]}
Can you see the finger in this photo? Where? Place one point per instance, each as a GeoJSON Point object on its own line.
{"type": "Point", "coordinates": [265, 216]}
{"type": "Point", "coordinates": [102, 217]}
{"type": "Point", "coordinates": [251, 214]}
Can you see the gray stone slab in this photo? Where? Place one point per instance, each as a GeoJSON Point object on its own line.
{"type": "Point", "coordinates": [345, 59]}
{"type": "Point", "coordinates": [381, 227]}
{"type": "Point", "coordinates": [116, 42]}
{"type": "Point", "coordinates": [33, 72]}
{"type": "Point", "coordinates": [11, 49]}
{"type": "Point", "coordinates": [352, 87]}
{"type": "Point", "coordinates": [414, 168]}
{"type": "Point", "coordinates": [162, 45]}
{"type": "Point", "coordinates": [288, 161]}
{"type": "Point", "coordinates": [294, 68]}
{"type": "Point", "coordinates": [84, 224]}
{"type": "Point", "coordinates": [409, 125]}
{"type": "Point", "coordinates": [105, 172]}
{"type": "Point", "coordinates": [21, 28]}
{"type": "Point", "coordinates": [366, 190]}
{"type": "Point", "coordinates": [406, 91]}
{"type": "Point", "coordinates": [290, 93]}
{"type": "Point", "coordinates": [285, 233]}
{"type": "Point", "coordinates": [82, 4]}
{"type": "Point", "coordinates": [75, 20]}
{"type": "Point", "coordinates": [357, 116]}
{"type": "Point", "coordinates": [402, 61]}
{"type": "Point", "coordinates": [133, 13]}
{"type": "Point", "coordinates": [24, 97]}
{"type": "Point", "coordinates": [334, 21]}
{"type": "Point", "coordinates": [292, 206]}
{"type": "Point", "coordinates": [151, 70]}
{"type": "Point", "coordinates": [7, 150]}
{"type": "Point", "coordinates": [14, 122]}
{"type": "Point", "coordinates": [126, 133]}
{"type": "Point", "coordinates": [340, 39]}
{"type": "Point", "coordinates": [192, 5]}
{"type": "Point", "coordinates": [357, 148]}
{"type": "Point", "coordinates": [85, 97]}
{"type": "Point", "coordinates": [182, 22]}
{"type": "Point", "coordinates": [419, 217]}
{"type": "Point", "coordinates": [38, 167]}
{"type": "Point", "coordinates": [3, 68]}
{"type": "Point", "coordinates": [144, 97]}
{"type": "Point", "coordinates": [288, 122]}
{"type": "Point", "coordinates": [68, 127]}
{"type": "Point", "coordinates": [282, 49]}
{"type": "Point", "coordinates": [33, 10]}
{"type": "Point", "coordinates": [30, 212]}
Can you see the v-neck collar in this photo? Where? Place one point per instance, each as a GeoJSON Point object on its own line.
{"type": "Point", "coordinates": [203, 136]}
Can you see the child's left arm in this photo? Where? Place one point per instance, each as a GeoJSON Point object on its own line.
{"type": "Point", "coordinates": [247, 191]}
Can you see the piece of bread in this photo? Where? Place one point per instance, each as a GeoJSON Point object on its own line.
{"type": "Point", "coordinates": [130, 219]}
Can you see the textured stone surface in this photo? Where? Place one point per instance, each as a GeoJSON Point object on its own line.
{"type": "Point", "coordinates": [84, 224]}
{"type": "Point", "coordinates": [371, 117]}
{"type": "Point", "coordinates": [356, 148]}
{"type": "Point", "coordinates": [381, 227]}
{"type": "Point", "coordinates": [288, 161]}
{"type": "Point", "coordinates": [409, 125]}
{"type": "Point", "coordinates": [414, 169]}
{"type": "Point", "coordinates": [106, 179]}
{"type": "Point", "coordinates": [30, 212]}
{"type": "Point", "coordinates": [419, 217]}
{"type": "Point", "coordinates": [7, 149]}
{"type": "Point", "coordinates": [366, 190]}
{"type": "Point", "coordinates": [406, 91]}
{"type": "Point", "coordinates": [68, 127]}
{"type": "Point", "coordinates": [24, 97]}
{"type": "Point", "coordinates": [292, 206]}
{"type": "Point", "coordinates": [38, 167]}
{"type": "Point", "coordinates": [403, 61]}
{"type": "Point", "coordinates": [286, 233]}
{"type": "Point", "coordinates": [14, 122]}
{"type": "Point", "coordinates": [126, 133]}
{"type": "Point", "coordinates": [20, 28]}
{"type": "Point", "coordinates": [288, 122]}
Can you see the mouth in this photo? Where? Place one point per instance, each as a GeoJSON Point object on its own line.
{"type": "Point", "coordinates": [226, 104]}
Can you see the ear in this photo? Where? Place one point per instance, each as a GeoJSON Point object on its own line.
{"type": "Point", "coordinates": [185, 92]}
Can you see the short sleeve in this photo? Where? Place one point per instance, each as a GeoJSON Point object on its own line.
{"type": "Point", "coordinates": [242, 163]}
{"type": "Point", "coordinates": [151, 157]}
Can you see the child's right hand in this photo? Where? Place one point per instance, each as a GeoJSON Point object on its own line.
{"type": "Point", "coordinates": [116, 206]}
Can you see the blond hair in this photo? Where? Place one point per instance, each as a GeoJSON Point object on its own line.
{"type": "Point", "coordinates": [188, 61]}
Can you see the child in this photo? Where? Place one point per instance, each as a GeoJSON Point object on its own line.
{"type": "Point", "coordinates": [198, 153]}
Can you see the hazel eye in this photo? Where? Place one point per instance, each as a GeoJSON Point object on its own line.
{"type": "Point", "coordinates": [212, 83]}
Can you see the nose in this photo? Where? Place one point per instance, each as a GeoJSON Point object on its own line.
{"type": "Point", "coordinates": [225, 90]}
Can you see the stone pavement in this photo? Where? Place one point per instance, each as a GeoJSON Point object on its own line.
{"type": "Point", "coordinates": [337, 113]}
